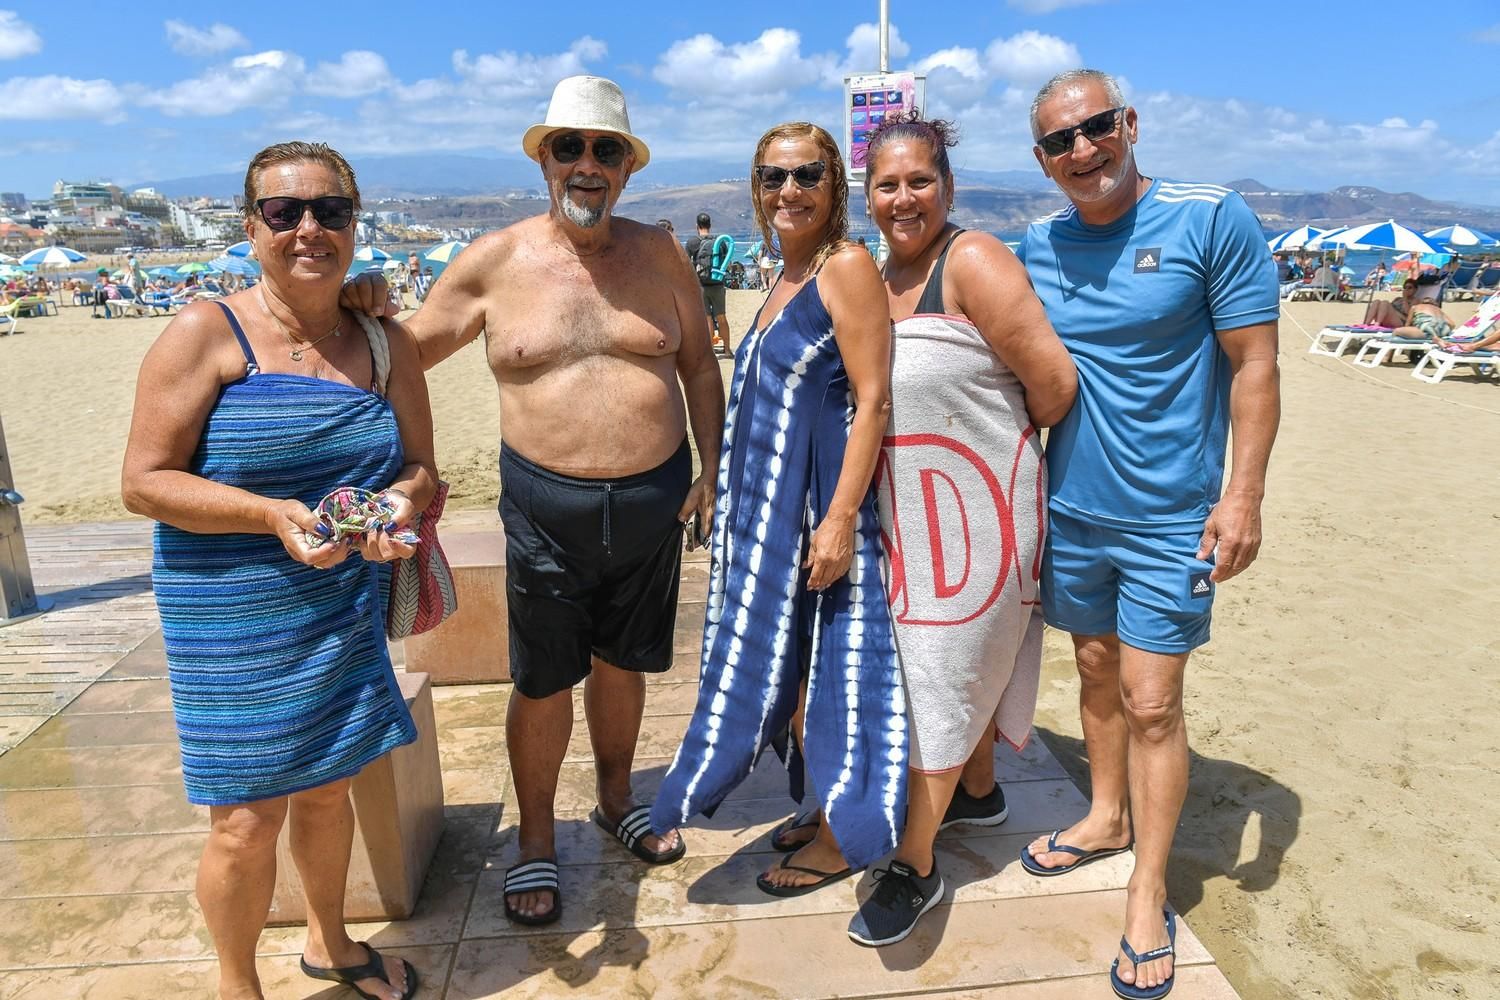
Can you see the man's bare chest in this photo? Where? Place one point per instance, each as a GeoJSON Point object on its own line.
{"type": "Point", "coordinates": [559, 322]}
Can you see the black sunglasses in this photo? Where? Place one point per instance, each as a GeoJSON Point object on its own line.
{"type": "Point", "coordinates": [569, 147]}
{"type": "Point", "coordinates": [331, 212]}
{"type": "Point", "coordinates": [1093, 129]}
{"type": "Point", "coordinates": [807, 176]}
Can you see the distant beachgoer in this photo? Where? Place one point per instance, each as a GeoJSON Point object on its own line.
{"type": "Point", "coordinates": [249, 410]}
{"type": "Point", "coordinates": [1425, 321]}
{"type": "Point", "coordinates": [1165, 294]}
{"type": "Point", "coordinates": [1392, 313]}
{"type": "Point", "coordinates": [710, 255]}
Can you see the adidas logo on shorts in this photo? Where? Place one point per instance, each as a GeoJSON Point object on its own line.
{"type": "Point", "coordinates": [1199, 585]}
{"type": "Point", "coordinates": [1148, 259]}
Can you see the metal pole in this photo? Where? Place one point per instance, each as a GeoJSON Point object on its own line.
{"type": "Point", "coordinates": [885, 36]}
{"type": "Point", "coordinates": [18, 598]}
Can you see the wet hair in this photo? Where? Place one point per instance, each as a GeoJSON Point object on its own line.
{"type": "Point", "coordinates": [938, 134]}
{"type": "Point", "coordinates": [1072, 78]}
{"type": "Point", "coordinates": [836, 235]}
{"type": "Point", "coordinates": [298, 152]}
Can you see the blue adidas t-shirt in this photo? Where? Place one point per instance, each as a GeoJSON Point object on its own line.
{"type": "Point", "coordinates": [1137, 302]}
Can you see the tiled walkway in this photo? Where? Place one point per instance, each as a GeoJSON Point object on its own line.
{"type": "Point", "coordinates": [98, 850]}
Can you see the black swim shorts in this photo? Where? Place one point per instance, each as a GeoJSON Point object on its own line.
{"type": "Point", "coordinates": [591, 569]}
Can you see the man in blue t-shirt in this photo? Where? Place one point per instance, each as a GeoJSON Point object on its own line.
{"type": "Point", "coordinates": [1166, 296]}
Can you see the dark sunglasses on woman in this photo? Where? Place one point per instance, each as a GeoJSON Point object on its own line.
{"type": "Point", "coordinates": [1093, 129]}
{"type": "Point", "coordinates": [331, 212]}
{"type": "Point", "coordinates": [806, 176]}
{"type": "Point", "coordinates": [569, 147]}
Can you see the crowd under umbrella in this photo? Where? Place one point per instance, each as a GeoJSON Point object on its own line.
{"type": "Point", "coordinates": [1461, 236]}
{"type": "Point", "coordinates": [1294, 239]}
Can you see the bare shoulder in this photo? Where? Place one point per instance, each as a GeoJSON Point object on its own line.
{"type": "Point", "coordinates": [198, 339]}
{"type": "Point", "coordinates": [974, 250]}
{"type": "Point", "coordinates": [849, 266]}
{"type": "Point", "coordinates": [643, 238]}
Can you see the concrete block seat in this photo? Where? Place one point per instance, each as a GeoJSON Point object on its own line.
{"type": "Point", "coordinates": [473, 645]}
{"type": "Point", "coordinates": [398, 818]}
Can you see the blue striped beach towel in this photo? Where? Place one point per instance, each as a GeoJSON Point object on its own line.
{"type": "Point", "coordinates": [280, 676]}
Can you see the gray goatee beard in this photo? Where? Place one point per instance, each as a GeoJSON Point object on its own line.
{"type": "Point", "coordinates": [579, 215]}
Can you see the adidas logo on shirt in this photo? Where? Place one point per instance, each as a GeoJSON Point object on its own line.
{"type": "Point", "coordinates": [1147, 259]}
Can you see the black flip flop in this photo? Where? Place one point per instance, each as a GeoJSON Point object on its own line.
{"type": "Point", "coordinates": [1035, 867]}
{"type": "Point", "coordinates": [373, 969]}
{"type": "Point", "coordinates": [824, 878]}
{"type": "Point", "coordinates": [533, 876]}
{"type": "Point", "coordinates": [807, 820]}
{"type": "Point", "coordinates": [631, 831]}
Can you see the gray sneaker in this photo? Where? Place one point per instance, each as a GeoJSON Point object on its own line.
{"type": "Point", "coordinates": [899, 900]}
{"type": "Point", "coordinates": [989, 810]}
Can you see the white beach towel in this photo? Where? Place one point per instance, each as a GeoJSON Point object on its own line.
{"type": "Point", "coordinates": [962, 500]}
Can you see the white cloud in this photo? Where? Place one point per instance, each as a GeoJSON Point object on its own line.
{"type": "Point", "coordinates": [1048, 6]}
{"type": "Point", "coordinates": [265, 78]}
{"type": "Point", "coordinates": [1490, 34]}
{"type": "Point", "coordinates": [208, 41]}
{"type": "Point", "coordinates": [863, 44]}
{"type": "Point", "coordinates": [521, 74]}
{"type": "Point", "coordinates": [957, 74]}
{"type": "Point", "coordinates": [43, 98]}
{"type": "Point", "coordinates": [17, 38]}
{"type": "Point", "coordinates": [771, 64]}
{"type": "Point", "coordinates": [1031, 57]}
{"type": "Point", "coordinates": [358, 73]}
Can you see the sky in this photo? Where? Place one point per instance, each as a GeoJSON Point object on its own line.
{"type": "Point", "coordinates": [1300, 96]}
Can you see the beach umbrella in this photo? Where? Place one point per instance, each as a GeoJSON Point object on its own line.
{"type": "Point", "coordinates": [371, 255]}
{"type": "Point", "coordinates": [1388, 235]}
{"type": "Point", "coordinates": [162, 272]}
{"type": "Point", "coordinates": [241, 249]}
{"type": "Point", "coordinates": [1294, 239]}
{"type": "Point", "coordinates": [6, 258]}
{"type": "Point", "coordinates": [52, 257]}
{"type": "Point", "coordinates": [11, 271]}
{"type": "Point", "coordinates": [234, 265]}
{"type": "Point", "coordinates": [444, 253]}
{"type": "Point", "coordinates": [1327, 239]}
{"type": "Point", "coordinates": [196, 267]}
{"type": "Point", "coordinates": [1461, 236]}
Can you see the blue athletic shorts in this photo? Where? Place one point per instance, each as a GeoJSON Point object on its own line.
{"type": "Point", "coordinates": [1149, 589]}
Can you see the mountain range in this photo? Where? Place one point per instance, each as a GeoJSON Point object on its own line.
{"type": "Point", "coordinates": [451, 190]}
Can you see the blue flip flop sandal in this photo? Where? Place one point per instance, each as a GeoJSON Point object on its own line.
{"type": "Point", "coordinates": [1130, 991]}
{"type": "Point", "coordinates": [1084, 857]}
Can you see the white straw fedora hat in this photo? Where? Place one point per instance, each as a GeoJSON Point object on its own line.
{"type": "Point", "coordinates": [586, 103]}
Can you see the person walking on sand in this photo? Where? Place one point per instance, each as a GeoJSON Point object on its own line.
{"type": "Point", "coordinates": [581, 304]}
{"type": "Point", "coordinates": [1166, 295]}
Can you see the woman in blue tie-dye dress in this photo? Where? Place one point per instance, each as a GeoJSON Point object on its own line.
{"type": "Point", "coordinates": [798, 623]}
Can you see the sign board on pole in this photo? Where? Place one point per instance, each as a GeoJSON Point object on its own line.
{"type": "Point", "coordinates": [868, 98]}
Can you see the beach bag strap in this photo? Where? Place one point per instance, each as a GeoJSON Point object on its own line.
{"type": "Point", "coordinates": [422, 592]}
{"type": "Point", "coordinates": [380, 350]}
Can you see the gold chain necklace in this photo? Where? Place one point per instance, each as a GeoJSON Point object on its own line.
{"type": "Point", "coordinates": [297, 351]}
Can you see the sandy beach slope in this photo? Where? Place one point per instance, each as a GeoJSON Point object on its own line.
{"type": "Point", "coordinates": [1342, 833]}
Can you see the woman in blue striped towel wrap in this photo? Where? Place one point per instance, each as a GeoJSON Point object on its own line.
{"type": "Point", "coordinates": [248, 411]}
{"type": "Point", "coordinates": [796, 606]}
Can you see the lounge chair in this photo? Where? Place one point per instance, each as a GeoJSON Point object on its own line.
{"type": "Point", "coordinates": [1342, 336]}
{"type": "Point", "coordinates": [1436, 364]}
{"type": "Point", "coordinates": [8, 317]}
{"type": "Point", "coordinates": [1461, 283]}
{"type": "Point", "coordinates": [1324, 286]}
{"type": "Point", "coordinates": [1476, 327]}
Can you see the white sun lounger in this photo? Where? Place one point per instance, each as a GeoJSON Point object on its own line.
{"type": "Point", "coordinates": [1341, 337]}
{"type": "Point", "coordinates": [1435, 364]}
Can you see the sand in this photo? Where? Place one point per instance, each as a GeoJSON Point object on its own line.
{"type": "Point", "coordinates": [1340, 837]}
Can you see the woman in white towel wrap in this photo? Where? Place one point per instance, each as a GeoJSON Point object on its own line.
{"type": "Point", "coordinates": [977, 369]}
